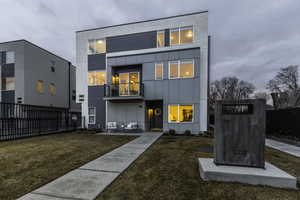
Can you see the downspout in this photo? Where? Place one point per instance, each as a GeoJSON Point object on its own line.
{"type": "Point", "coordinates": [69, 87]}
{"type": "Point", "coordinates": [208, 85]}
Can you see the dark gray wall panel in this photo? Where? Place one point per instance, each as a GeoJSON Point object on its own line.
{"type": "Point", "coordinates": [8, 70]}
{"type": "Point", "coordinates": [167, 37]}
{"type": "Point", "coordinates": [97, 62]}
{"type": "Point", "coordinates": [135, 41]}
{"type": "Point", "coordinates": [8, 96]}
{"type": "Point", "coordinates": [96, 100]}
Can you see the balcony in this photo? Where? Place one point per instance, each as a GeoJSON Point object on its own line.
{"type": "Point", "coordinates": [124, 91]}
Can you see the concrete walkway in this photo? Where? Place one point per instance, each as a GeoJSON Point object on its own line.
{"type": "Point", "coordinates": [287, 148]}
{"type": "Point", "coordinates": [88, 181]}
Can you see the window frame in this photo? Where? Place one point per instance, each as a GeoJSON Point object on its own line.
{"type": "Point", "coordinates": [94, 46]}
{"type": "Point", "coordinates": [104, 70]}
{"type": "Point", "coordinates": [8, 78]}
{"type": "Point", "coordinates": [179, 66]}
{"type": "Point", "coordinates": [178, 105]}
{"type": "Point", "coordinates": [162, 71]}
{"type": "Point", "coordinates": [94, 115]}
{"type": "Point", "coordinates": [179, 36]}
{"type": "Point", "coordinates": [43, 87]}
{"type": "Point", "coordinates": [164, 32]}
{"type": "Point", "coordinates": [55, 90]}
{"type": "Point", "coordinates": [14, 57]}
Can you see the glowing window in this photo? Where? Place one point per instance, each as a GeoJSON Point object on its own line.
{"type": "Point", "coordinates": [96, 78]}
{"type": "Point", "coordinates": [160, 38]}
{"type": "Point", "coordinates": [186, 69]}
{"type": "Point", "coordinates": [96, 46]}
{"type": "Point", "coordinates": [8, 84]}
{"type": "Point", "coordinates": [186, 35]}
{"type": "Point", "coordinates": [52, 89]}
{"type": "Point", "coordinates": [173, 69]}
{"type": "Point", "coordinates": [174, 36]}
{"type": "Point", "coordinates": [180, 113]}
{"type": "Point", "coordinates": [40, 86]}
{"type": "Point", "coordinates": [159, 71]}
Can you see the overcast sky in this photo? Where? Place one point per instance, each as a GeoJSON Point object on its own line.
{"type": "Point", "coordinates": [252, 39]}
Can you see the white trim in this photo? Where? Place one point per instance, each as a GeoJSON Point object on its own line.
{"type": "Point", "coordinates": [179, 33]}
{"type": "Point", "coordinates": [178, 105]}
{"type": "Point", "coordinates": [178, 68]}
{"type": "Point", "coordinates": [162, 31]}
{"type": "Point", "coordinates": [162, 73]}
{"type": "Point", "coordinates": [89, 115]}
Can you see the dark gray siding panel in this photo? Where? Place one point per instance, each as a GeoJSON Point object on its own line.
{"type": "Point", "coordinates": [96, 94]}
{"type": "Point", "coordinates": [96, 62]}
{"type": "Point", "coordinates": [135, 41]}
{"type": "Point", "coordinates": [8, 96]}
{"type": "Point", "coordinates": [8, 70]}
{"type": "Point", "coordinates": [167, 37]}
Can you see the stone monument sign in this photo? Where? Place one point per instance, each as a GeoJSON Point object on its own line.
{"type": "Point", "coordinates": [240, 133]}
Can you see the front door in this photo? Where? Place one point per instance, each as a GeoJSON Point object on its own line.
{"type": "Point", "coordinates": [154, 114]}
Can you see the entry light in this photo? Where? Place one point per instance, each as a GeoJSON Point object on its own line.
{"type": "Point", "coordinates": [100, 41]}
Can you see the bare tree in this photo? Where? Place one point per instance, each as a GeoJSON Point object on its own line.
{"type": "Point", "coordinates": [285, 87]}
{"type": "Point", "coordinates": [229, 88]}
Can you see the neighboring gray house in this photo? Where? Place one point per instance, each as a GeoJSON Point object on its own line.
{"type": "Point", "coordinates": [154, 73]}
{"type": "Point", "coordinates": [34, 76]}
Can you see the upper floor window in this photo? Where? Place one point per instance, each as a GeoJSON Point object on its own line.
{"type": "Point", "coordinates": [160, 38]}
{"type": "Point", "coordinates": [96, 46]}
{"type": "Point", "coordinates": [8, 84]}
{"type": "Point", "coordinates": [183, 35]}
{"type": "Point", "coordinates": [40, 86]}
{"type": "Point", "coordinates": [52, 89]}
{"type": "Point", "coordinates": [10, 57]}
{"type": "Point", "coordinates": [181, 69]}
{"type": "Point", "coordinates": [96, 78]}
{"type": "Point", "coordinates": [159, 71]}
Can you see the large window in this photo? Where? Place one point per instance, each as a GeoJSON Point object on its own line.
{"type": "Point", "coordinates": [8, 84]}
{"type": "Point", "coordinates": [159, 71]}
{"type": "Point", "coordinates": [52, 89]}
{"type": "Point", "coordinates": [96, 78]}
{"type": "Point", "coordinates": [183, 35]}
{"type": "Point", "coordinates": [92, 115]}
{"type": "Point", "coordinates": [180, 113]}
{"type": "Point", "coordinates": [181, 69]}
{"type": "Point", "coordinates": [129, 84]}
{"type": "Point", "coordinates": [96, 46]}
{"type": "Point", "coordinates": [160, 38]}
{"type": "Point", "coordinates": [40, 86]}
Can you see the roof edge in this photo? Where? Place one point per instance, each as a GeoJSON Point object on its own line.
{"type": "Point", "coordinates": [155, 19]}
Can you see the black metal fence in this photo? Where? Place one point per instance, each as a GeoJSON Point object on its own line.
{"type": "Point", "coordinates": [19, 121]}
{"type": "Point", "coordinates": [283, 122]}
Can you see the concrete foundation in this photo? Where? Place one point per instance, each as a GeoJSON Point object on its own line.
{"type": "Point", "coordinates": [270, 176]}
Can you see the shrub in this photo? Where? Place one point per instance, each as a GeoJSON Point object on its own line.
{"type": "Point", "coordinates": [172, 132]}
{"type": "Point", "coordinates": [188, 132]}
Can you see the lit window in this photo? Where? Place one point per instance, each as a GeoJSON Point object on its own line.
{"type": "Point", "coordinates": [181, 69]}
{"type": "Point", "coordinates": [10, 57]}
{"type": "Point", "coordinates": [180, 113]}
{"type": "Point", "coordinates": [160, 38]}
{"type": "Point", "coordinates": [40, 86]}
{"type": "Point", "coordinates": [52, 89]}
{"type": "Point", "coordinates": [8, 84]}
{"type": "Point", "coordinates": [159, 71]}
{"type": "Point", "coordinates": [174, 36]}
{"type": "Point", "coordinates": [92, 115]}
{"type": "Point", "coordinates": [96, 78]}
{"type": "Point", "coordinates": [186, 69]}
{"type": "Point", "coordinates": [173, 69]}
{"type": "Point", "coordinates": [96, 46]}
{"type": "Point", "coordinates": [186, 35]}
{"type": "Point", "coordinates": [183, 35]}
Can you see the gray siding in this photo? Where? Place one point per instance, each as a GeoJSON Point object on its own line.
{"type": "Point", "coordinates": [129, 42]}
{"type": "Point", "coordinates": [8, 70]}
{"type": "Point", "coordinates": [8, 96]}
{"type": "Point", "coordinates": [95, 97]}
{"type": "Point", "coordinates": [96, 62]}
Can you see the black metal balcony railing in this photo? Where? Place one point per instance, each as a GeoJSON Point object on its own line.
{"type": "Point", "coordinates": [124, 90]}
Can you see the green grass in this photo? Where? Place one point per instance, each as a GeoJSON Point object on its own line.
{"type": "Point", "coordinates": [30, 163]}
{"type": "Point", "coordinates": [169, 171]}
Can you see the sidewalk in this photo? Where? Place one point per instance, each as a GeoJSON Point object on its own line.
{"type": "Point", "coordinates": [88, 181]}
{"type": "Point", "coordinates": [287, 148]}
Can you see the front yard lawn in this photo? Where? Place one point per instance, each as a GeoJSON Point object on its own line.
{"type": "Point", "coordinates": [169, 170]}
{"type": "Point", "coordinates": [27, 164]}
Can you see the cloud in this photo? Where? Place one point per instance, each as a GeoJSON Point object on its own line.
{"type": "Point", "coordinates": [251, 39]}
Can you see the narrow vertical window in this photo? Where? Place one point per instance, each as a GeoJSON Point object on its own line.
{"type": "Point", "coordinates": [160, 38]}
{"type": "Point", "coordinates": [186, 35]}
{"type": "Point", "coordinates": [174, 36]}
{"type": "Point", "coordinates": [173, 69]}
{"type": "Point", "coordinates": [40, 86]}
{"type": "Point", "coordinates": [91, 47]}
{"type": "Point", "coordinates": [52, 89]}
{"type": "Point", "coordinates": [173, 113]}
{"type": "Point", "coordinates": [92, 115]}
{"type": "Point", "coordinates": [159, 71]}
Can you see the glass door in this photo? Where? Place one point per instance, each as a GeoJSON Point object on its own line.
{"type": "Point", "coordinates": [129, 84]}
{"type": "Point", "coordinates": [123, 84]}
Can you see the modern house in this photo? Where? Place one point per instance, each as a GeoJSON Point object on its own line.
{"type": "Point", "coordinates": [153, 73]}
{"type": "Point", "coordinates": [34, 76]}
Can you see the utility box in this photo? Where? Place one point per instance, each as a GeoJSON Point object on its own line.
{"type": "Point", "coordinates": [240, 133]}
